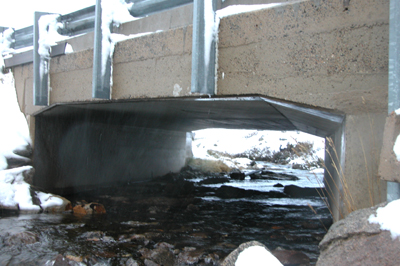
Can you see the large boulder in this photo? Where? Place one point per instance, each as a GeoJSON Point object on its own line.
{"type": "Point", "coordinates": [355, 241]}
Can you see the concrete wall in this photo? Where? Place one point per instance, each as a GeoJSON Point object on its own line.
{"type": "Point", "coordinates": [310, 52]}
{"type": "Point", "coordinates": [81, 153]}
{"type": "Point", "coordinates": [314, 52]}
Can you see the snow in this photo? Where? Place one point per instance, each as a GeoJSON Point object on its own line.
{"type": "Point", "coordinates": [396, 148]}
{"type": "Point", "coordinates": [114, 12]}
{"type": "Point", "coordinates": [14, 134]}
{"type": "Point", "coordinates": [222, 140]}
{"type": "Point", "coordinates": [48, 200]}
{"type": "Point", "coordinates": [257, 256]}
{"type": "Point", "coordinates": [5, 48]}
{"type": "Point", "coordinates": [48, 35]}
{"type": "Point", "coordinates": [23, 197]}
{"type": "Point", "coordinates": [15, 191]}
{"type": "Point", "coordinates": [388, 218]}
{"type": "Point", "coordinates": [238, 9]}
{"type": "Point", "coordinates": [210, 28]}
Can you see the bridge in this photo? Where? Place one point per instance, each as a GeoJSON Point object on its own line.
{"type": "Point", "coordinates": [318, 66]}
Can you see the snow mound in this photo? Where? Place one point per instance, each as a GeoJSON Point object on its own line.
{"type": "Point", "coordinates": [257, 256]}
{"type": "Point", "coordinates": [388, 218]}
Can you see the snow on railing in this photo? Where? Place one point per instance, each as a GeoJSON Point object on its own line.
{"type": "Point", "coordinates": [113, 12]}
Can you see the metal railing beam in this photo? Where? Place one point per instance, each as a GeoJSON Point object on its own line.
{"type": "Point", "coordinates": [147, 7]}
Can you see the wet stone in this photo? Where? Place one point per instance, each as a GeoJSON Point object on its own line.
{"type": "Point", "coordinates": [23, 238]}
{"type": "Point", "coordinates": [291, 257]}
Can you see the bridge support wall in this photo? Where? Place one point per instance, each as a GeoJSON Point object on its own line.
{"type": "Point", "coordinates": [76, 154]}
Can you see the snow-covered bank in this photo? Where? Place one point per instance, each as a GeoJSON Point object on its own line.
{"type": "Point", "coordinates": [15, 191]}
{"type": "Point", "coordinates": [236, 147]}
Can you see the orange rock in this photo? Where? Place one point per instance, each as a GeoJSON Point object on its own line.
{"type": "Point", "coordinates": [98, 208]}
{"type": "Point", "coordinates": [78, 209]}
{"type": "Point", "coordinates": [74, 258]}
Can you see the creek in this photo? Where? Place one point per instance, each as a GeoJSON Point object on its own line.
{"type": "Point", "coordinates": [172, 220]}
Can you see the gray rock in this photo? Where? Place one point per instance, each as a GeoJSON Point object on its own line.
{"type": "Point", "coordinates": [354, 241]}
{"type": "Point", "coordinates": [301, 192]}
{"type": "Point", "coordinates": [131, 262]}
{"type": "Point", "coordinates": [26, 237]}
{"type": "Point", "coordinates": [291, 257]}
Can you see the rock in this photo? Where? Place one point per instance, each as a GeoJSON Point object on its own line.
{"type": "Point", "coordinates": [131, 262]}
{"type": "Point", "coordinates": [355, 241]}
{"type": "Point", "coordinates": [214, 180]}
{"type": "Point", "coordinates": [161, 255]}
{"type": "Point", "coordinates": [192, 207]}
{"type": "Point", "coordinates": [278, 185]}
{"type": "Point", "coordinates": [237, 175]}
{"type": "Point", "coordinates": [228, 192]}
{"type": "Point", "coordinates": [53, 203]}
{"type": "Point", "coordinates": [19, 174]}
{"type": "Point", "coordinates": [232, 258]}
{"type": "Point", "coordinates": [302, 192]}
{"type": "Point", "coordinates": [21, 156]}
{"type": "Point", "coordinates": [60, 260]}
{"type": "Point", "coordinates": [148, 262]}
{"type": "Point", "coordinates": [256, 176]}
{"type": "Point", "coordinates": [17, 194]}
{"type": "Point", "coordinates": [291, 257]}
{"type": "Point", "coordinates": [189, 256]}
{"type": "Point", "coordinates": [89, 208]}
{"type": "Point", "coordinates": [26, 237]}
{"type": "Point", "coordinates": [269, 175]}
{"type": "Point", "coordinates": [299, 166]}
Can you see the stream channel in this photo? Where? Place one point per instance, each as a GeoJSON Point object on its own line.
{"type": "Point", "coordinates": [188, 218]}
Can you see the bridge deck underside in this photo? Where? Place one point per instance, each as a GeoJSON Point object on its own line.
{"type": "Point", "coordinates": [189, 114]}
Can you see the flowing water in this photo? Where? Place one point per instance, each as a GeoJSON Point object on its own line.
{"type": "Point", "coordinates": [170, 221]}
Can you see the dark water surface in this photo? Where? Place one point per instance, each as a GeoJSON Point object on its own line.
{"type": "Point", "coordinates": [194, 225]}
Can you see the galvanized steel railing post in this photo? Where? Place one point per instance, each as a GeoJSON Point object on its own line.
{"type": "Point", "coordinates": [101, 86]}
{"type": "Point", "coordinates": [40, 68]}
{"type": "Point", "coordinates": [203, 47]}
{"type": "Point", "coordinates": [393, 189]}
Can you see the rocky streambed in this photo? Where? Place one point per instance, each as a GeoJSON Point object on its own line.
{"type": "Point", "coordinates": [188, 218]}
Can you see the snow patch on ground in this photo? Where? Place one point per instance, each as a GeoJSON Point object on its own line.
{"type": "Point", "coordinates": [14, 133]}
{"type": "Point", "coordinates": [15, 193]}
{"type": "Point", "coordinates": [232, 142]}
{"type": "Point", "coordinates": [48, 200]}
{"type": "Point", "coordinates": [388, 218]}
{"type": "Point", "coordinates": [257, 256]}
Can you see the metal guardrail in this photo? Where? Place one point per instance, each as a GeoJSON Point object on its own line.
{"type": "Point", "coordinates": [89, 19]}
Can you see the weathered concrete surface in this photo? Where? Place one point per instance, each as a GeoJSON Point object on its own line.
{"type": "Point", "coordinates": [313, 52]}
{"type": "Point", "coordinates": [310, 52]}
{"type": "Point", "coordinates": [77, 154]}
